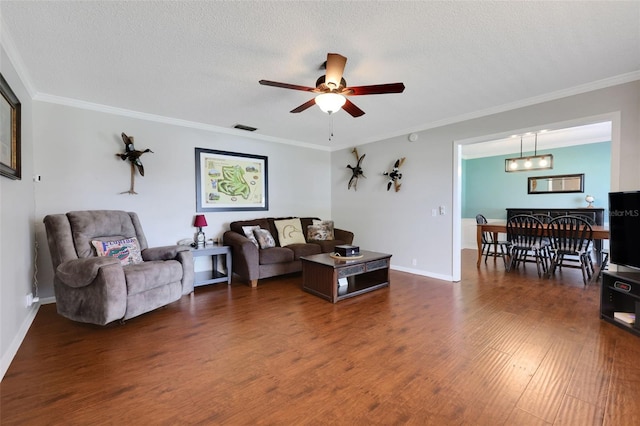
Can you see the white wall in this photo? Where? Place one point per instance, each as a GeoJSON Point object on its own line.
{"type": "Point", "coordinates": [17, 224]}
{"type": "Point", "coordinates": [76, 157]}
{"type": "Point", "coordinates": [399, 223]}
{"type": "Point", "coordinates": [402, 224]}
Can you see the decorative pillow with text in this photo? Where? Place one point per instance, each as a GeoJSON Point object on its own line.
{"type": "Point", "coordinates": [126, 250]}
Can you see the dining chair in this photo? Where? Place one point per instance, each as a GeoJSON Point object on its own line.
{"type": "Point", "coordinates": [605, 262]}
{"type": "Point", "coordinates": [545, 219]}
{"type": "Point", "coordinates": [571, 245]}
{"type": "Point", "coordinates": [591, 220]}
{"type": "Point", "coordinates": [490, 244]}
{"type": "Point", "coordinates": [525, 237]}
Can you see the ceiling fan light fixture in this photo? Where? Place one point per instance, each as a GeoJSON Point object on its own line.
{"type": "Point", "coordinates": [332, 90]}
{"type": "Point", "coordinates": [330, 102]}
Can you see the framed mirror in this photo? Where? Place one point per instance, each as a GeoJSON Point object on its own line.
{"type": "Point", "coordinates": [555, 184]}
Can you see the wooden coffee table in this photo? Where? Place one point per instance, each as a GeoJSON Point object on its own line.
{"type": "Point", "coordinates": [337, 279]}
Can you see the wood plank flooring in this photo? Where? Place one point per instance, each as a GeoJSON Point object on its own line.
{"type": "Point", "coordinates": [496, 348]}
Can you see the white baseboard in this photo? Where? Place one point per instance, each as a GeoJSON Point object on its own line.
{"type": "Point", "coordinates": [422, 273]}
{"type": "Point", "coordinates": [47, 300]}
{"type": "Point", "coordinates": [17, 340]}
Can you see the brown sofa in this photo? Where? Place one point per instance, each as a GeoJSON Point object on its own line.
{"type": "Point", "coordinates": [251, 263]}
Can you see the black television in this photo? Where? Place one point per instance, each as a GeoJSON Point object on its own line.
{"type": "Point", "coordinates": [624, 228]}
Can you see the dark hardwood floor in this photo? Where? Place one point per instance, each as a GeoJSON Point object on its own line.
{"type": "Point", "coordinates": [494, 349]}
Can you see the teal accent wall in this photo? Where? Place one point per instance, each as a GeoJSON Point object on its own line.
{"type": "Point", "coordinates": [488, 189]}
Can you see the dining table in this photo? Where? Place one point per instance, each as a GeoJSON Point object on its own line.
{"type": "Point", "coordinates": [600, 232]}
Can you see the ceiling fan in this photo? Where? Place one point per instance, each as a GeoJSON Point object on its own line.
{"type": "Point", "coordinates": [333, 91]}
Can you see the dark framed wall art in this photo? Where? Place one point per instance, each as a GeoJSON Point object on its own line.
{"type": "Point", "coordinates": [10, 148]}
{"type": "Point", "coordinates": [231, 181]}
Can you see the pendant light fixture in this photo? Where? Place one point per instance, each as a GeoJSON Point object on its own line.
{"type": "Point", "coordinates": [535, 162]}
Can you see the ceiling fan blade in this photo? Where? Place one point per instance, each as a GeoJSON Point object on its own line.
{"type": "Point", "coordinates": [352, 109]}
{"type": "Point", "coordinates": [335, 68]}
{"type": "Point", "coordinates": [376, 89]}
{"type": "Point", "coordinates": [305, 105]}
{"type": "Point", "coordinates": [286, 85]}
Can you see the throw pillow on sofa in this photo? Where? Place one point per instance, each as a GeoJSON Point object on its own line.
{"type": "Point", "coordinates": [320, 230]}
{"type": "Point", "coordinates": [248, 232]}
{"type": "Point", "coordinates": [289, 231]}
{"type": "Point", "coordinates": [264, 237]}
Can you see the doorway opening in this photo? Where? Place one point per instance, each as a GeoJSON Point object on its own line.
{"type": "Point", "coordinates": [491, 143]}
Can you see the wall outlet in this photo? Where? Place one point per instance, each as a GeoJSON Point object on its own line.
{"type": "Point", "coordinates": [442, 211]}
{"type": "Point", "coordinates": [29, 300]}
{"type": "Point", "coordinates": [414, 262]}
{"type": "Point", "coordinates": [434, 212]}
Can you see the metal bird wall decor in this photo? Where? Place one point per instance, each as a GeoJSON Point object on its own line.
{"type": "Point", "coordinates": [356, 171]}
{"type": "Point", "coordinates": [395, 175]}
{"type": "Point", "coordinates": [133, 155]}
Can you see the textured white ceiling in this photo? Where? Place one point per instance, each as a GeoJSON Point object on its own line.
{"type": "Point", "coordinates": [201, 61]}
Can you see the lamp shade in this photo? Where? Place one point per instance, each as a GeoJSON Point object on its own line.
{"type": "Point", "coordinates": [200, 221]}
{"type": "Point", "coordinates": [330, 102]}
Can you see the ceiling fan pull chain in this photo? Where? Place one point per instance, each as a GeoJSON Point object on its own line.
{"type": "Point", "coordinates": [331, 126]}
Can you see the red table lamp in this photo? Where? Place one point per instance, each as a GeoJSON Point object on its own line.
{"type": "Point", "coordinates": [199, 222]}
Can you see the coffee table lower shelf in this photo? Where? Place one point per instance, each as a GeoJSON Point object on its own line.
{"type": "Point", "coordinates": [335, 280]}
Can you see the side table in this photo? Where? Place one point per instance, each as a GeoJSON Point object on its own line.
{"type": "Point", "coordinates": [213, 276]}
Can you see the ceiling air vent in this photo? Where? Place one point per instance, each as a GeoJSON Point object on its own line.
{"type": "Point", "coordinates": [243, 127]}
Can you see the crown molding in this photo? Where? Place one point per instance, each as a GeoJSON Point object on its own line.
{"type": "Point", "coordinates": [552, 96]}
{"type": "Point", "coordinates": [75, 103]}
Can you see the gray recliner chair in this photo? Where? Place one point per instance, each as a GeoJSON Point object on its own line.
{"type": "Point", "coordinates": [100, 289]}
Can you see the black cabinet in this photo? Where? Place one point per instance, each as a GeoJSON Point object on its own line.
{"type": "Point", "coordinates": [596, 215]}
{"type": "Point", "coordinates": [620, 297]}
